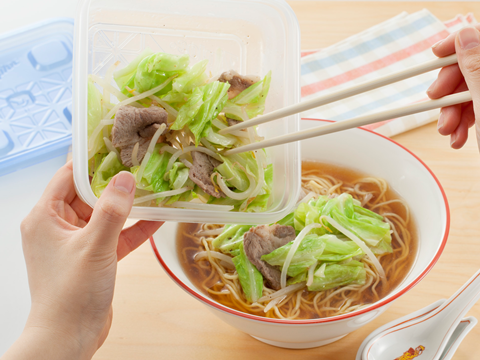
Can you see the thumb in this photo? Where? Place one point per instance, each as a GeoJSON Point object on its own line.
{"type": "Point", "coordinates": [467, 47]}
{"type": "Point", "coordinates": [111, 211]}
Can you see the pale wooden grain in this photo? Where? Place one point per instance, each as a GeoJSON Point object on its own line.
{"type": "Point", "coordinates": [155, 319]}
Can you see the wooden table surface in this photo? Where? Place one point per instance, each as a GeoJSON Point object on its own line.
{"type": "Point", "coordinates": [155, 319]}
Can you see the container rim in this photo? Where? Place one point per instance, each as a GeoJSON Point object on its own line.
{"type": "Point", "coordinates": [80, 163]}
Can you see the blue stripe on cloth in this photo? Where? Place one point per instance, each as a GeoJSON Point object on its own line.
{"type": "Point", "coordinates": [367, 46]}
{"type": "Point", "coordinates": [370, 107]}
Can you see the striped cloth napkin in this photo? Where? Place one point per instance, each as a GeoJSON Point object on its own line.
{"type": "Point", "coordinates": [391, 46]}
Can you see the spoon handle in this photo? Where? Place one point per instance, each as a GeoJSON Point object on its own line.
{"type": "Point", "coordinates": [464, 298]}
{"type": "Point", "coordinates": [453, 310]}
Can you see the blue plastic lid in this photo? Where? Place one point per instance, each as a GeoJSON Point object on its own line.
{"type": "Point", "coordinates": [35, 93]}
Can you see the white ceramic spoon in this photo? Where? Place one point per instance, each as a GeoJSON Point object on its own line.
{"type": "Point", "coordinates": [463, 328]}
{"type": "Point", "coordinates": [466, 324]}
{"type": "Point", "coordinates": [429, 334]}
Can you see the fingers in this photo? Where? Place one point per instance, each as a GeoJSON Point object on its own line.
{"type": "Point", "coordinates": [455, 120]}
{"type": "Point", "coordinates": [460, 135]}
{"type": "Point", "coordinates": [468, 50]}
{"type": "Point", "coordinates": [459, 119]}
{"type": "Point", "coordinates": [134, 236]}
{"type": "Point", "coordinates": [468, 114]}
{"type": "Point", "coordinates": [111, 211]}
{"type": "Point", "coordinates": [448, 80]}
{"type": "Point", "coordinates": [467, 46]}
{"type": "Point", "coordinates": [61, 187]}
{"type": "Point", "coordinates": [450, 116]}
{"type": "Point", "coordinates": [449, 119]}
{"type": "Point", "coordinates": [447, 46]}
{"type": "Point", "coordinates": [82, 210]}
{"type": "Point", "coordinates": [81, 223]}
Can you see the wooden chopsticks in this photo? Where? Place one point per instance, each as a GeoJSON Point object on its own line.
{"type": "Point", "coordinates": [358, 121]}
{"type": "Point", "coordinates": [355, 122]}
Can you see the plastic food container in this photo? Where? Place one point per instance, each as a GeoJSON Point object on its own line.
{"type": "Point", "coordinates": [249, 36]}
{"type": "Point", "coordinates": [35, 93]}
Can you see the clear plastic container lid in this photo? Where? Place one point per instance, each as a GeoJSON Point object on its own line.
{"type": "Point", "coordinates": [248, 36]}
{"type": "Point", "coordinates": [35, 93]}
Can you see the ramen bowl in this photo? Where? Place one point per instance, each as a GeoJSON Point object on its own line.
{"type": "Point", "coordinates": [371, 154]}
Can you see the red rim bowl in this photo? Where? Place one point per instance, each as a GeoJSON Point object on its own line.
{"type": "Point", "coordinates": [378, 304]}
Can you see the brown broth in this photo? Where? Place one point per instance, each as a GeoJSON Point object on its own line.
{"type": "Point", "coordinates": [187, 247]}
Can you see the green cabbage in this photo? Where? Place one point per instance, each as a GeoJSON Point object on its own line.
{"type": "Point", "coordinates": [235, 175]}
{"type": "Point", "coordinates": [94, 163]}
{"type": "Point", "coordinates": [307, 214]}
{"type": "Point", "coordinates": [238, 179]}
{"type": "Point", "coordinates": [287, 220]}
{"type": "Point", "coordinates": [370, 228]}
{"type": "Point", "coordinates": [188, 111]}
{"type": "Point", "coordinates": [329, 245]}
{"type": "Point", "coordinates": [202, 106]}
{"type": "Point", "coordinates": [335, 275]}
{"type": "Point", "coordinates": [250, 102]}
{"type": "Point", "coordinates": [156, 180]}
{"type": "Point", "coordinates": [305, 256]}
{"type": "Point", "coordinates": [123, 75]}
{"type": "Point", "coordinates": [230, 239]}
{"type": "Point", "coordinates": [313, 248]}
{"type": "Point", "coordinates": [250, 278]}
{"type": "Point", "coordinates": [176, 99]}
{"type": "Point", "coordinates": [367, 225]}
{"type": "Point", "coordinates": [193, 78]}
{"type": "Point", "coordinates": [198, 103]}
{"type": "Point", "coordinates": [225, 141]}
{"type": "Point", "coordinates": [109, 167]}
{"type": "Point", "coordinates": [154, 173]}
{"type": "Point", "coordinates": [154, 70]}
{"type": "Point", "coordinates": [310, 249]}
{"type": "Point", "coordinates": [260, 203]}
{"type": "Point", "coordinates": [339, 248]}
{"type": "Point", "coordinates": [186, 196]}
{"type": "Point", "coordinates": [178, 175]}
{"type": "Point", "coordinates": [328, 248]}
{"type": "Point", "coordinates": [214, 98]}
{"type": "Point", "coordinates": [94, 116]}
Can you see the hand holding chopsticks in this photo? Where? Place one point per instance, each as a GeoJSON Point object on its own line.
{"type": "Point", "coordinates": [355, 122]}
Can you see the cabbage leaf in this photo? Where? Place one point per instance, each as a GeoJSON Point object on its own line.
{"type": "Point", "coordinates": [154, 70]}
{"type": "Point", "coordinates": [250, 102]}
{"type": "Point", "coordinates": [230, 239]}
{"type": "Point", "coordinates": [109, 167]}
{"type": "Point", "coordinates": [250, 278]}
{"type": "Point", "coordinates": [94, 116]}
{"type": "Point", "coordinates": [335, 275]}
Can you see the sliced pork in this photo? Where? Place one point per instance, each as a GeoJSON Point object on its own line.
{"type": "Point", "coordinates": [201, 171]}
{"type": "Point", "coordinates": [262, 240]}
{"type": "Point", "coordinates": [232, 122]}
{"type": "Point", "coordinates": [136, 125]}
{"type": "Point", "coordinates": [237, 82]}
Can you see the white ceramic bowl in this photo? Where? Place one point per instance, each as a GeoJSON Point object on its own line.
{"type": "Point", "coordinates": [372, 154]}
